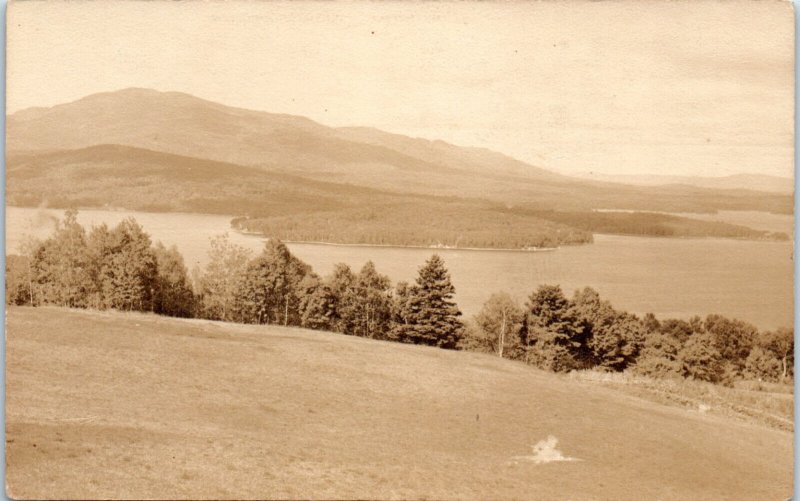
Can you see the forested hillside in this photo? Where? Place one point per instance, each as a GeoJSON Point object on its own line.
{"type": "Point", "coordinates": [296, 208]}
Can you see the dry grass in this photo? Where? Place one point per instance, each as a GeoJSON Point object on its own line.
{"type": "Point", "coordinates": [767, 404]}
{"type": "Point", "coordinates": [114, 405]}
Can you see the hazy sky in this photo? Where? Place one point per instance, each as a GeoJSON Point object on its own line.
{"type": "Point", "coordinates": [682, 87]}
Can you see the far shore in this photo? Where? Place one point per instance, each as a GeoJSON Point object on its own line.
{"type": "Point", "coordinates": [393, 246]}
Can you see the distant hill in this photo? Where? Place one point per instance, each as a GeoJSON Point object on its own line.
{"type": "Point", "coordinates": [140, 179]}
{"type": "Point", "coordinates": [757, 182]}
{"type": "Point", "coordinates": [296, 208]}
{"type": "Point", "coordinates": [180, 124]}
{"type": "Point", "coordinates": [134, 178]}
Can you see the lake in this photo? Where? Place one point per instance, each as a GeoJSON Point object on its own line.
{"type": "Point", "coordinates": [750, 280]}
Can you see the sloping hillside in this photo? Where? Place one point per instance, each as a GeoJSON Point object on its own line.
{"type": "Point", "coordinates": [136, 178]}
{"type": "Point", "coordinates": [181, 124]}
{"type": "Point", "coordinates": [178, 123]}
{"type": "Point", "coordinates": [758, 182]}
{"type": "Point", "coordinates": [139, 179]}
{"type": "Point", "coordinates": [115, 405]}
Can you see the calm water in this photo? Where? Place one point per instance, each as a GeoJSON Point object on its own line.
{"type": "Point", "coordinates": [669, 277]}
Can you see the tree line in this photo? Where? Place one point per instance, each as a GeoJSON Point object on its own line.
{"type": "Point", "coordinates": [560, 334]}
{"type": "Point", "coordinates": [121, 268]}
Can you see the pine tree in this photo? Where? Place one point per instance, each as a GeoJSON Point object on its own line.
{"type": "Point", "coordinates": [431, 317]}
{"type": "Point", "coordinates": [552, 332]}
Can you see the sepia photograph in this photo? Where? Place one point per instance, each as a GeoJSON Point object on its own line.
{"type": "Point", "coordinates": [383, 250]}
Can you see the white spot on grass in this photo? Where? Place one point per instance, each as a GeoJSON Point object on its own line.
{"type": "Point", "coordinates": [703, 408]}
{"type": "Point", "coordinates": [545, 452]}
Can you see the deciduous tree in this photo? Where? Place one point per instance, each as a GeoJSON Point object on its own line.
{"type": "Point", "coordinates": [500, 321]}
{"type": "Point", "coordinates": [221, 279]}
{"type": "Point", "coordinates": [128, 272]}
{"type": "Point", "coordinates": [270, 291]}
{"type": "Point", "coordinates": [700, 359]}
{"type": "Point", "coordinates": [173, 295]}
{"type": "Point", "coordinates": [61, 266]}
{"type": "Point", "coordinates": [372, 315]}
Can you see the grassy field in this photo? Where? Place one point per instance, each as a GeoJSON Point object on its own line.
{"type": "Point", "coordinates": [769, 404]}
{"type": "Point", "coordinates": [115, 405]}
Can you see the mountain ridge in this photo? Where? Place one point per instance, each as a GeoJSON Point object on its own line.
{"type": "Point", "coordinates": [751, 181]}
{"type": "Point", "coordinates": [181, 124]}
{"type": "Point", "coordinates": [56, 130]}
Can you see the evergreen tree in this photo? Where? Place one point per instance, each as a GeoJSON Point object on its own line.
{"type": "Point", "coordinates": [552, 333]}
{"type": "Point", "coordinates": [431, 317]}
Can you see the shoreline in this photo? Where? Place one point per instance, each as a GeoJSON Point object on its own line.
{"type": "Point", "coordinates": [394, 246]}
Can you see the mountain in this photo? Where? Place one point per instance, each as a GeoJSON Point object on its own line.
{"type": "Point", "coordinates": [183, 125]}
{"type": "Point", "coordinates": [757, 182]}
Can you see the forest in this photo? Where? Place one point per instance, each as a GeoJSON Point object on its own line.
{"type": "Point", "coordinates": [121, 268]}
{"type": "Point", "coordinates": [650, 224]}
{"type": "Point", "coordinates": [446, 225]}
{"type": "Point", "coordinates": [295, 208]}
{"type": "Point", "coordinates": [463, 225]}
